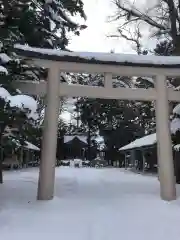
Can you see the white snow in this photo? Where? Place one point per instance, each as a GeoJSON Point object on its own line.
{"type": "Point", "coordinates": [87, 161]}
{"type": "Point", "coordinates": [4, 58]}
{"type": "Point", "coordinates": [25, 101]}
{"type": "Point", "coordinates": [107, 57]}
{"type": "Point", "coordinates": [21, 101]}
{"type": "Point", "coordinates": [175, 125]}
{"type": "Point", "coordinates": [176, 110]}
{"type": "Point", "coordinates": [89, 204]}
{"type": "Point", "coordinates": [177, 147]}
{"type": "Point", "coordinates": [3, 70]}
{"type": "Point", "coordinates": [68, 138]}
{"type": "Point", "coordinates": [76, 161]}
{"type": "Point", "coordinates": [4, 93]}
{"type": "Point", "coordinates": [177, 88]}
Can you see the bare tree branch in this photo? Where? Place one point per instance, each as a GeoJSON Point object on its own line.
{"type": "Point", "coordinates": [130, 12]}
{"type": "Point", "coordinates": [134, 38]}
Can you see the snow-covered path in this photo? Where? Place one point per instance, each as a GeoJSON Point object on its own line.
{"type": "Point", "coordinates": [90, 204]}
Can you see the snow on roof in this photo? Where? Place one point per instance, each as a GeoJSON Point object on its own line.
{"type": "Point", "coordinates": [151, 139]}
{"type": "Point", "coordinates": [27, 145]}
{"type": "Point", "coordinates": [70, 138]}
{"type": "Point", "coordinates": [31, 146]}
{"type": "Point", "coordinates": [21, 101]}
{"type": "Point", "coordinates": [141, 142]}
{"type": "Point", "coordinates": [101, 58]}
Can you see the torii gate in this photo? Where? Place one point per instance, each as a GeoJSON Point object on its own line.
{"type": "Point", "coordinates": [109, 64]}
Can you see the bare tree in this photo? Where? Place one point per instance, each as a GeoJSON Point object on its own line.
{"type": "Point", "coordinates": [161, 17]}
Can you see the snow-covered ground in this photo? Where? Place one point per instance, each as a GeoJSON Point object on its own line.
{"type": "Point", "coordinates": [90, 204]}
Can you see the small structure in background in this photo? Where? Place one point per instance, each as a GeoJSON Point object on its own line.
{"type": "Point", "coordinates": [23, 156]}
{"type": "Point", "coordinates": [16, 153]}
{"type": "Point", "coordinates": [75, 147]}
{"type": "Point", "coordinates": [73, 150]}
{"type": "Point", "coordinates": [141, 154]}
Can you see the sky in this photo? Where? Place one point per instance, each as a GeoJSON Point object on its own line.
{"type": "Point", "coordinates": [94, 38]}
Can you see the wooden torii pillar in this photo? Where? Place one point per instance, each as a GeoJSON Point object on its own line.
{"type": "Point", "coordinates": [164, 144]}
{"type": "Point", "coordinates": [49, 143]}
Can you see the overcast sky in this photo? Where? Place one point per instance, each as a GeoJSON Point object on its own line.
{"type": "Point", "coordinates": [94, 38]}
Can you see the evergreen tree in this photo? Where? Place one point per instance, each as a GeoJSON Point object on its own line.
{"type": "Point", "coordinates": [39, 24]}
{"type": "Point", "coordinates": [15, 113]}
{"type": "Point", "coordinates": [43, 23]}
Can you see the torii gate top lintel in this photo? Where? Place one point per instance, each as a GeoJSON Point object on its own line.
{"type": "Point", "coordinates": [126, 64]}
{"type": "Point", "coordinates": [107, 63]}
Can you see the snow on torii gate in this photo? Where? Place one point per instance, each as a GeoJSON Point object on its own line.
{"type": "Point", "coordinates": [109, 64]}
